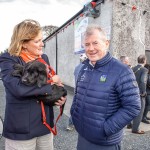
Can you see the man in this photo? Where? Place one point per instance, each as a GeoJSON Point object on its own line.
{"type": "Point", "coordinates": [141, 74]}
{"type": "Point", "coordinates": [106, 97]}
{"type": "Point", "coordinates": [125, 60]}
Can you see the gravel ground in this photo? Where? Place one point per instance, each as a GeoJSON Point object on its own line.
{"type": "Point", "coordinates": [66, 140]}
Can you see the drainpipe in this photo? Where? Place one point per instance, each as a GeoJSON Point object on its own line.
{"type": "Point", "coordinates": [56, 55]}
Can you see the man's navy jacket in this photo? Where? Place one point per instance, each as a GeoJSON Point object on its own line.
{"type": "Point", "coordinates": [106, 99]}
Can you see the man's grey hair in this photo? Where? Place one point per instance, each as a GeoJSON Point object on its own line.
{"type": "Point", "coordinates": [92, 27]}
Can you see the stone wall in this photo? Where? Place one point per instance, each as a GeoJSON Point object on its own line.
{"type": "Point", "coordinates": [129, 28]}
{"type": "Point", "coordinates": [147, 37]}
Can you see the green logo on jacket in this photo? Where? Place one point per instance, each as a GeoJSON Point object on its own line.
{"type": "Point", "coordinates": [103, 78]}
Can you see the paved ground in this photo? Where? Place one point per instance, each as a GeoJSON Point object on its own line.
{"type": "Point", "coordinates": [66, 140]}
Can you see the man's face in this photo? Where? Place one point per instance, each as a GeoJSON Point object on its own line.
{"type": "Point", "coordinates": [95, 46]}
{"type": "Point", "coordinates": [126, 61]}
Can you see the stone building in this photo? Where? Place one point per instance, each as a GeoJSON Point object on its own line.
{"type": "Point", "coordinates": [126, 22]}
{"type": "Point", "coordinates": [131, 28]}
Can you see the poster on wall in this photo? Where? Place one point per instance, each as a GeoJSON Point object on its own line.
{"type": "Point", "coordinates": [80, 27]}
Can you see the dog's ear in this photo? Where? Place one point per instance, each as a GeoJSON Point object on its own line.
{"type": "Point", "coordinates": [18, 70]}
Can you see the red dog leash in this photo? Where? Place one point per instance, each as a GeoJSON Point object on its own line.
{"type": "Point", "coordinates": [54, 131]}
{"type": "Point", "coordinates": [50, 74]}
{"type": "Point", "coordinates": [51, 71]}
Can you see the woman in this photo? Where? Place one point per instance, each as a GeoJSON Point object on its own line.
{"type": "Point", "coordinates": [23, 127]}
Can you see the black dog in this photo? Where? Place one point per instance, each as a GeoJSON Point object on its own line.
{"type": "Point", "coordinates": [34, 72]}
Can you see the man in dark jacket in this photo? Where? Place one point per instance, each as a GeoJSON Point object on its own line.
{"type": "Point", "coordinates": [141, 74]}
{"type": "Point", "coordinates": [106, 97]}
{"type": "Point", "coordinates": [147, 101]}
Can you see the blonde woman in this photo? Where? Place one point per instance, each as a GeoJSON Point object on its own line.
{"type": "Point", "coordinates": [23, 127]}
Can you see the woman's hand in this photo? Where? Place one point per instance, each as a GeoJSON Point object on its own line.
{"type": "Point", "coordinates": [61, 101]}
{"type": "Point", "coordinates": [57, 81]}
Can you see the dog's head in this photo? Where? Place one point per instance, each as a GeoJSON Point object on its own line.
{"type": "Point", "coordinates": [33, 72]}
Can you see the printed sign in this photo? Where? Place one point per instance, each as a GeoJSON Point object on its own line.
{"type": "Point", "coordinates": [80, 27]}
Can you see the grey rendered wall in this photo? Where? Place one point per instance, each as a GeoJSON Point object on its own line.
{"type": "Point", "coordinates": [66, 59]}
{"type": "Point", "coordinates": [50, 50]}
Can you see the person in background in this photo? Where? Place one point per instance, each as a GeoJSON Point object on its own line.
{"type": "Point", "coordinates": [125, 60]}
{"type": "Point", "coordinates": [23, 127]}
{"type": "Point", "coordinates": [103, 103]}
{"type": "Point", "coordinates": [145, 118]}
{"type": "Point", "coordinates": [83, 57]}
{"type": "Point", "coordinates": [141, 74]}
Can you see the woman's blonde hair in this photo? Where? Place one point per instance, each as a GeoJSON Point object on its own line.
{"type": "Point", "coordinates": [23, 32]}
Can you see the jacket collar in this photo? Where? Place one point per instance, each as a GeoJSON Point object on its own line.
{"type": "Point", "coordinates": [100, 62]}
{"type": "Point", "coordinates": [141, 65]}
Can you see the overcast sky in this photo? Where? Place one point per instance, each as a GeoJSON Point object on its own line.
{"type": "Point", "coordinates": [47, 12]}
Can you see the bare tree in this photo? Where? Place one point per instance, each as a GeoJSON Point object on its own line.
{"type": "Point", "coordinates": [48, 30]}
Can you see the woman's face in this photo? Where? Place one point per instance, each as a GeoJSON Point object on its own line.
{"type": "Point", "coordinates": [35, 46]}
